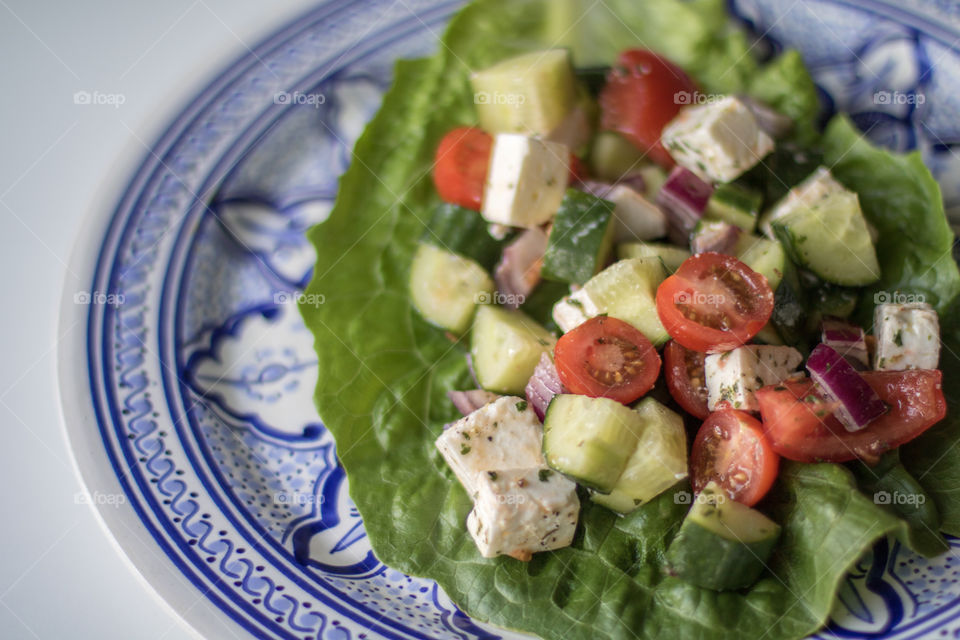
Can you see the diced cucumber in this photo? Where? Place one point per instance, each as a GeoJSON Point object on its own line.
{"type": "Point", "coordinates": [531, 93]}
{"type": "Point", "coordinates": [506, 346]}
{"type": "Point", "coordinates": [580, 239]}
{"type": "Point", "coordinates": [627, 290]}
{"type": "Point", "coordinates": [768, 335]}
{"type": "Point", "coordinates": [790, 312]}
{"type": "Point", "coordinates": [576, 129]}
{"type": "Point", "coordinates": [735, 204]}
{"type": "Point", "coordinates": [590, 439]}
{"type": "Point", "coordinates": [783, 168]}
{"type": "Point", "coordinates": [672, 256]}
{"type": "Point", "coordinates": [722, 544]}
{"type": "Point", "coordinates": [658, 462]}
{"type": "Point", "coordinates": [612, 156]}
{"type": "Point", "coordinates": [832, 300]}
{"type": "Point", "coordinates": [653, 178]}
{"type": "Point", "coordinates": [446, 287]}
{"type": "Point", "coordinates": [463, 231]}
{"type": "Point", "coordinates": [764, 256]}
{"type": "Point", "coordinates": [830, 237]}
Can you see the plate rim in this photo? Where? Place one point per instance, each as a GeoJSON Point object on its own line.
{"type": "Point", "coordinates": [78, 422]}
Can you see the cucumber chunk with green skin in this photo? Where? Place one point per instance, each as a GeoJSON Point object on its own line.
{"type": "Point", "coordinates": [530, 93]}
{"type": "Point", "coordinates": [580, 240]}
{"type": "Point", "coordinates": [590, 439]}
{"type": "Point", "coordinates": [722, 544]}
{"type": "Point", "coordinates": [768, 335]}
{"type": "Point", "coordinates": [627, 290]}
{"type": "Point", "coordinates": [658, 462]}
{"type": "Point", "coordinates": [766, 257]}
{"type": "Point", "coordinates": [463, 231]}
{"type": "Point", "coordinates": [831, 238]}
{"type": "Point", "coordinates": [790, 311]}
{"type": "Point", "coordinates": [672, 256]}
{"type": "Point", "coordinates": [832, 300]}
{"type": "Point", "coordinates": [735, 204]}
{"type": "Point", "coordinates": [445, 287]}
{"type": "Point", "coordinates": [612, 156]}
{"type": "Point", "coordinates": [506, 346]}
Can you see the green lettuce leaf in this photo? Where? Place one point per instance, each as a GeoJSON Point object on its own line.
{"type": "Point", "coordinates": [383, 375]}
{"type": "Point", "coordinates": [903, 201]}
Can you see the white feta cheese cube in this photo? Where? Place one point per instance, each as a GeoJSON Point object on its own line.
{"type": "Point", "coordinates": [519, 512]}
{"type": "Point", "coordinates": [574, 309]}
{"type": "Point", "coordinates": [718, 141]}
{"type": "Point", "coordinates": [818, 186]}
{"type": "Point", "coordinates": [908, 336]}
{"type": "Point", "coordinates": [504, 434]}
{"type": "Point", "coordinates": [635, 217]}
{"type": "Point", "coordinates": [526, 180]}
{"type": "Point", "coordinates": [734, 376]}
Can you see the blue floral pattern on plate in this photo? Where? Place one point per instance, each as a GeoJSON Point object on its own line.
{"type": "Point", "coordinates": [202, 379]}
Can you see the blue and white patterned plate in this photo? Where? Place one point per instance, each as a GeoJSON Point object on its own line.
{"type": "Point", "coordinates": [190, 391]}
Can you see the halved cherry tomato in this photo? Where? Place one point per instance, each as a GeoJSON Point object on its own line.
{"type": "Point", "coordinates": [714, 303]}
{"type": "Point", "coordinates": [643, 92]}
{"type": "Point", "coordinates": [460, 166]}
{"type": "Point", "coordinates": [731, 449]}
{"type": "Point", "coordinates": [685, 378]}
{"type": "Point", "coordinates": [801, 426]}
{"type": "Point", "coordinates": [609, 358]}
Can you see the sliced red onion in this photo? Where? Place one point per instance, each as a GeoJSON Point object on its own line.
{"type": "Point", "coordinates": [543, 385]}
{"type": "Point", "coordinates": [771, 121]}
{"type": "Point", "coordinates": [467, 402]}
{"type": "Point", "coordinates": [595, 188]}
{"type": "Point", "coordinates": [838, 381]}
{"type": "Point", "coordinates": [683, 197]}
{"type": "Point", "coordinates": [519, 269]}
{"type": "Point", "coordinates": [473, 372]}
{"type": "Point", "coordinates": [848, 340]}
{"type": "Point", "coordinates": [635, 181]}
{"type": "Point", "coordinates": [720, 237]}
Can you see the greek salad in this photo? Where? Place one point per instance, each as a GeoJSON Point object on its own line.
{"type": "Point", "coordinates": [657, 286]}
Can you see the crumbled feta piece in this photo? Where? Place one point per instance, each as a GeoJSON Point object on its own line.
{"type": "Point", "coordinates": [818, 186]}
{"type": "Point", "coordinates": [504, 434]}
{"type": "Point", "coordinates": [635, 217]}
{"type": "Point", "coordinates": [574, 309]}
{"type": "Point", "coordinates": [734, 376]}
{"type": "Point", "coordinates": [519, 512]}
{"type": "Point", "coordinates": [526, 180]}
{"type": "Point", "coordinates": [717, 141]}
{"type": "Point", "coordinates": [908, 336]}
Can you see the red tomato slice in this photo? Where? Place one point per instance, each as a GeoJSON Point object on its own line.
{"type": "Point", "coordinates": [685, 378]}
{"type": "Point", "coordinates": [731, 450]}
{"type": "Point", "coordinates": [714, 303]}
{"type": "Point", "coordinates": [608, 358]}
{"type": "Point", "coordinates": [460, 166]}
{"type": "Point", "coordinates": [800, 424]}
{"type": "Point", "coordinates": [643, 92]}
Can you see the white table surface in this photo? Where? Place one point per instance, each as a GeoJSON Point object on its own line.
{"type": "Point", "coordinates": [60, 575]}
